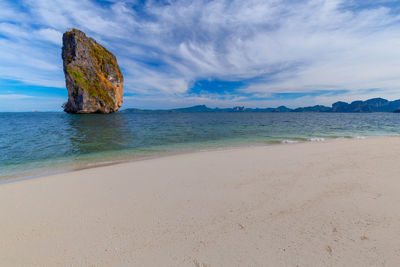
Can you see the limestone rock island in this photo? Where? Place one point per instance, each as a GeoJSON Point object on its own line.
{"type": "Point", "coordinates": [92, 75]}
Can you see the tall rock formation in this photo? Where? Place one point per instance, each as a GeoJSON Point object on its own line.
{"type": "Point", "coordinates": [92, 75]}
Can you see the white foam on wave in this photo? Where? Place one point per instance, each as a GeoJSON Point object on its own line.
{"type": "Point", "coordinates": [288, 141]}
{"type": "Point", "coordinates": [316, 139]}
{"type": "Point", "coordinates": [360, 137]}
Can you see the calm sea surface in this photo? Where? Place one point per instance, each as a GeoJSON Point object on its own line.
{"type": "Point", "coordinates": [41, 143]}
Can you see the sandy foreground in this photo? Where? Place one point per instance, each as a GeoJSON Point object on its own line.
{"type": "Point", "coordinates": [334, 203]}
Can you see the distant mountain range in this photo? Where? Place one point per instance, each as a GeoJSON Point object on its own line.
{"type": "Point", "coordinates": [370, 105]}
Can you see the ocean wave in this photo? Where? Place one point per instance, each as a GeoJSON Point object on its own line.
{"type": "Point", "coordinates": [288, 141]}
{"type": "Point", "coordinates": [316, 139]}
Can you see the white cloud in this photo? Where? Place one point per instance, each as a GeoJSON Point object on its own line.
{"type": "Point", "coordinates": [50, 35]}
{"type": "Point", "coordinates": [288, 46]}
{"type": "Point", "coordinates": [14, 96]}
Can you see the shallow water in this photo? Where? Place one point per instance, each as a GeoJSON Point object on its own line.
{"type": "Point", "coordinates": [39, 143]}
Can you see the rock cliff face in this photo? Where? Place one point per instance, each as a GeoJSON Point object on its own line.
{"type": "Point", "coordinates": [92, 75]}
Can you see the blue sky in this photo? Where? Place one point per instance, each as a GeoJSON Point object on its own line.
{"type": "Point", "coordinates": [256, 53]}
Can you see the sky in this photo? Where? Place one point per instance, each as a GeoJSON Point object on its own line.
{"type": "Point", "coordinates": [222, 53]}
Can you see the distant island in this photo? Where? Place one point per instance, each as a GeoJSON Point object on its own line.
{"type": "Point", "coordinates": [368, 106]}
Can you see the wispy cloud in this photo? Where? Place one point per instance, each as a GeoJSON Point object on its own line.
{"type": "Point", "coordinates": [164, 48]}
{"type": "Point", "coordinates": [13, 96]}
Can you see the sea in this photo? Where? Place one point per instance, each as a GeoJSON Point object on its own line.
{"type": "Point", "coordinates": [37, 144]}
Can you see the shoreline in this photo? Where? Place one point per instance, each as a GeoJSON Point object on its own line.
{"type": "Point", "coordinates": [308, 204]}
{"type": "Point", "coordinates": [61, 170]}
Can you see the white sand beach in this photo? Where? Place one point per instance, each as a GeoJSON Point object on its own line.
{"type": "Point", "coordinates": [332, 203]}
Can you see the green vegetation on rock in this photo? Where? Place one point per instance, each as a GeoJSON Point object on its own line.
{"type": "Point", "coordinates": [79, 77]}
{"type": "Point", "coordinates": [93, 86]}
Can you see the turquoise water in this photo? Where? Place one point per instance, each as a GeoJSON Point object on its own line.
{"type": "Point", "coordinates": [41, 143]}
